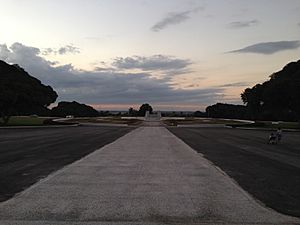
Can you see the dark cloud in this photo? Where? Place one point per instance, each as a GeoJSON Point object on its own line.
{"type": "Point", "coordinates": [237, 84]}
{"type": "Point", "coordinates": [152, 63]}
{"type": "Point", "coordinates": [268, 48]}
{"type": "Point", "coordinates": [68, 49]}
{"type": "Point", "coordinates": [48, 51]}
{"type": "Point", "coordinates": [174, 18]}
{"type": "Point", "coordinates": [101, 69]}
{"type": "Point", "coordinates": [104, 87]}
{"type": "Point", "coordinates": [243, 24]}
{"type": "Point", "coordinates": [193, 86]}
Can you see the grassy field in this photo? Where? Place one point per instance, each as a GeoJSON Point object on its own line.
{"type": "Point", "coordinates": [24, 121]}
{"type": "Point", "coordinates": [269, 125]}
{"type": "Point", "coordinates": [232, 123]}
{"type": "Point", "coordinates": [195, 121]}
{"type": "Point", "coordinates": [37, 121]}
{"type": "Point", "coordinates": [112, 120]}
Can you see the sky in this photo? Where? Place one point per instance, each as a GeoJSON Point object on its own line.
{"type": "Point", "coordinates": [173, 54]}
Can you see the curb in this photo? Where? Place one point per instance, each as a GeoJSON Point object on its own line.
{"type": "Point", "coordinates": [29, 127]}
{"type": "Point", "coordinates": [203, 125]}
{"type": "Point", "coordinates": [104, 124]}
{"type": "Point", "coordinates": [262, 129]}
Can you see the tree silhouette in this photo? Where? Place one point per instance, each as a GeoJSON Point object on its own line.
{"type": "Point", "coordinates": [144, 108]}
{"type": "Point", "coordinates": [277, 98]}
{"type": "Point", "coordinates": [252, 97]}
{"type": "Point", "coordinates": [75, 109]}
{"type": "Point", "coordinates": [22, 94]}
{"type": "Point", "coordinates": [226, 111]}
{"type": "Point", "coordinates": [132, 112]}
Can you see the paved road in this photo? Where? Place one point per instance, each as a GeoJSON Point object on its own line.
{"type": "Point", "coordinates": [145, 177]}
{"type": "Point", "coordinates": [27, 155]}
{"type": "Point", "coordinates": [269, 172]}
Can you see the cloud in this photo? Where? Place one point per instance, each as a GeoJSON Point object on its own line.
{"type": "Point", "coordinates": [152, 63]}
{"type": "Point", "coordinates": [49, 51]}
{"type": "Point", "coordinates": [268, 48]}
{"type": "Point", "coordinates": [98, 68]}
{"type": "Point", "coordinates": [174, 18]}
{"type": "Point", "coordinates": [102, 86]}
{"type": "Point", "coordinates": [243, 24]}
{"type": "Point", "coordinates": [193, 86]}
{"type": "Point", "coordinates": [237, 84]}
{"type": "Point", "coordinates": [68, 49]}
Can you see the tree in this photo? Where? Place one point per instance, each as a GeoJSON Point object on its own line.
{"type": "Point", "coordinates": [278, 98]}
{"type": "Point", "coordinates": [226, 111]}
{"type": "Point", "coordinates": [132, 112]}
{"type": "Point", "coordinates": [76, 109]}
{"type": "Point", "coordinates": [144, 108]}
{"type": "Point", "coordinates": [253, 99]}
{"type": "Point", "coordinates": [22, 94]}
{"type": "Point", "coordinates": [199, 114]}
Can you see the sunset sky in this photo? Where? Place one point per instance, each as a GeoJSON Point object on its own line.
{"type": "Point", "coordinates": [173, 54]}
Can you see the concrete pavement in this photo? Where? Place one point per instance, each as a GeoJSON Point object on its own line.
{"type": "Point", "coordinates": [148, 176]}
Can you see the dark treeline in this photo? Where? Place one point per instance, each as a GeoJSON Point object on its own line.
{"type": "Point", "coordinates": [22, 94]}
{"type": "Point", "coordinates": [278, 98]}
{"type": "Point", "coordinates": [142, 110]}
{"type": "Point", "coordinates": [227, 111]}
{"type": "Point", "coordinates": [180, 114]}
{"type": "Point", "coordinates": [275, 99]}
{"type": "Point", "coordinates": [76, 109]}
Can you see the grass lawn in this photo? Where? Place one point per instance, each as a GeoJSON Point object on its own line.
{"type": "Point", "coordinates": [112, 120]}
{"type": "Point", "coordinates": [232, 123]}
{"type": "Point", "coordinates": [191, 121]}
{"type": "Point", "coordinates": [24, 121]}
{"type": "Point", "coordinates": [269, 125]}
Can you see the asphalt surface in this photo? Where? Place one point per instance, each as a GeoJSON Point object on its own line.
{"type": "Point", "coordinates": [30, 154]}
{"type": "Point", "coordinates": [148, 176]}
{"type": "Point", "coordinates": [270, 173]}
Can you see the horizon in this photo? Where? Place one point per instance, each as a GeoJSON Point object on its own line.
{"type": "Point", "coordinates": [122, 108]}
{"type": "Point", "coordinates": [176, 55]}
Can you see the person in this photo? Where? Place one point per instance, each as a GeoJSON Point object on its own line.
{"type": "Point", "coordinates": [272, 138]}
{"type": "Point", "coordinates": [279, 134]}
